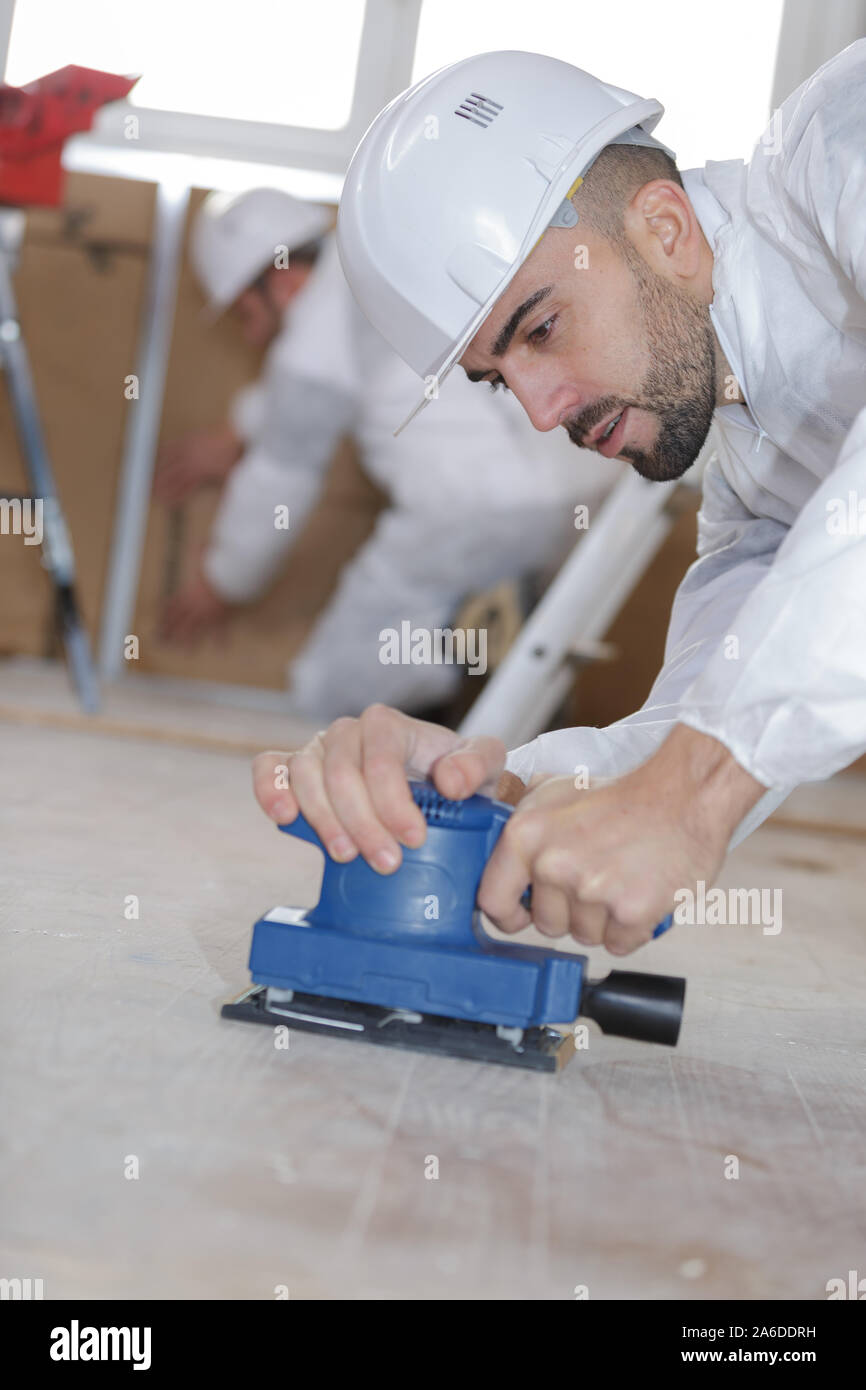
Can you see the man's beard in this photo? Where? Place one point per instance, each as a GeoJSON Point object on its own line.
{"type": "Point", "coordinates": [679, 388]}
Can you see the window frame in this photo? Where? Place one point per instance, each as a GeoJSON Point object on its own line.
{"type": "Point", "coordinates": [383, 68]}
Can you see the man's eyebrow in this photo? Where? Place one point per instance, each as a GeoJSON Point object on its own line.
{"type": "Point", "coordinates": [500, 347]}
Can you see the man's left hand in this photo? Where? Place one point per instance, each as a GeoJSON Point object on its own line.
{"type": "Point", "coordinates": [605, 863]}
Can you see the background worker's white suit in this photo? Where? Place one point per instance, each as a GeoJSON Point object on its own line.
{"type": "Point", "coordinates": [766, 649]}
{"type": "Point", "coordinates": [476, 495]}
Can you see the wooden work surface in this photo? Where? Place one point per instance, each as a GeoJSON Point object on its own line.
{"type": "Point", "coordinates": [306, 1167]}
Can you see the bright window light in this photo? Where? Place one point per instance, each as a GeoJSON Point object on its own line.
{"type": "Point", "coordinates": [710, 66]}
{"type": "Point", "coordinates": [260, 60]}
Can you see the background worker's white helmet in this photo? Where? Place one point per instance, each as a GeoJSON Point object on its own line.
{"type": "Point", "coordinates": [236, 235]}
{"type": "Point", "coordinates": [456, 181]}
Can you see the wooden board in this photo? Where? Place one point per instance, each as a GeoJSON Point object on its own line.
{"type": "Point", "coordinates": [79, 314]}
{"type": "Point", "coordinates": [306, 1167]}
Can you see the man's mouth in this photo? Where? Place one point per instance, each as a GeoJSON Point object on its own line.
{"type": "Point", "coordinates": [607, 437]}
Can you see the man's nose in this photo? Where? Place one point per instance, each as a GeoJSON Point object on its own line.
{"type": "Point", "coordinates": [545, 405]}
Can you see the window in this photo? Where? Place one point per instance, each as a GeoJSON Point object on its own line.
{"type": "Point", "coordinates": [711, 67]}
{"type": "Point", "coordinates": [272, 61]}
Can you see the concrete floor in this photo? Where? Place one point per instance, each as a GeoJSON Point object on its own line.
{"type": "Point", "coordinates": [306, 1168]}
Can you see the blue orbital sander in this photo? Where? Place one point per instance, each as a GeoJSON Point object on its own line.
{"type": "Point", "coordinates": [403, 960]}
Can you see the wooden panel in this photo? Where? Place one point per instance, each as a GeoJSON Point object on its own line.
{"type": "Point", "coordinates": [98, 214]}
{"type": "Point", "coordinates": [80, 321]}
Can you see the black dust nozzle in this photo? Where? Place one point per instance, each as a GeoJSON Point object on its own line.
{"type": "Point", "coordinates": [634, 1005]}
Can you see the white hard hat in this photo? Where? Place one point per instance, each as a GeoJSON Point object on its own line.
{"type": "Point", "coordinates": [456, 181]}
{"type": "Point", "coordinates": [236, 235]}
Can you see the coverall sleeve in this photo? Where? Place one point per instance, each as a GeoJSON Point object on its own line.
{"type": "Point", "coordinates": [245, 412]}
{"type": "Point", "coordinates": [794, 706]}
{"type": "Point", "coordinates": [283, 467]}
{"type": "Point", "coordinates": [311, 393]}
{"type": "Point", "coordinates": [735, 553]}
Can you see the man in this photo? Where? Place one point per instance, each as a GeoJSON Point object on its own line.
{"type": "Point", "coordinates": [474, 496]}
{"type": "Point", "coordinates": [735, 290]}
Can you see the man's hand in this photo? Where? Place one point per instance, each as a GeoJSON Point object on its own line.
{"type": "Point", "coordinates": [605, 864]}
{"type": "Point", "coordinates": [195, 611]}
{"type": "Point", "coordinates": [193, 461]}
{"type": "Point", "coordinates": [351, 781]}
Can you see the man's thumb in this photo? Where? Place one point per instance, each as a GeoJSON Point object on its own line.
{"type": "Point", "coordinates": [474, 765]}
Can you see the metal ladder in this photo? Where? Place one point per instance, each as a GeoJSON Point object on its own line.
{"type": "Point", "coordinates": [57, 555]}
{"type": "Point", "coordinates": [565, 629]}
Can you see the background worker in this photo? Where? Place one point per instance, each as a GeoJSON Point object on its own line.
{"type": "Point", "coordinates": [474, 496]}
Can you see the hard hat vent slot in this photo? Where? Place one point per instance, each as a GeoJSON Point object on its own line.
{"type": "Point", "coordinates": [478, 109]}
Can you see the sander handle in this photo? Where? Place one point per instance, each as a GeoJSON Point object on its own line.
{"type": "Point", "coordinates": [302, 830]}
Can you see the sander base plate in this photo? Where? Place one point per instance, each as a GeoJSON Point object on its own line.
{"type": "Point", "coordinates": [538, 1049]}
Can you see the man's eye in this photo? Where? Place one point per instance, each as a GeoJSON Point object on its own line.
{"type": "Point", "coordinates": [542, 332]}
{"type": "Point", "coordinates": [497, 383]}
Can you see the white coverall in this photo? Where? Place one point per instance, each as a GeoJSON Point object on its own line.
{"type": "Point", "coordinates": [476, 496]}
{"type": "Point", "coordinates": [782, 527]}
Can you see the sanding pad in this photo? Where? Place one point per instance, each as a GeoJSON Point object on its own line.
{"type": "Point", "coordinates": [537, 1049]}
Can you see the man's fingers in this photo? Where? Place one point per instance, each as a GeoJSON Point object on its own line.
{"type": "Point", "coordinates": [385, 742]}
{"type": "Point", "coordinates": [307, 770]}
{"type": "Point", "coordinates": [270, 771]}
{"type": "Point", "coordinates": [348, 794]}
{"type": "Point", "coordinates": [550, 910]}
{"type": "Point", "coordinates": [588, 922]}
{"type": "Point", "coordinates": [621, 938]}
{"type": "Point", "coordinates": [474, 763]}
{"type": "Point", "coordinates": [503, 883]}
{"type": "Point", "coordinates": [556, 872]}
{"type": "Point", "coordinates": [351, 782]}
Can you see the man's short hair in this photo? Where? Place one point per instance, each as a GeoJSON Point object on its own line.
{"type": "Point", "coordinates": [612, 181]}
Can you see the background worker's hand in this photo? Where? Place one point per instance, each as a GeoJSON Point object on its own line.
{"type": "Point", "coordinates": [605, 863]}
{"type": "Point", "coordinates": [194, 612]}
{"type": "Point", "coordinates": [351, 781]}
{"type": "Point", "coordinates": [195, 460]}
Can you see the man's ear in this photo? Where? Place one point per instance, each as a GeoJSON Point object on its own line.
{"type": "Point", "coordinates": [661, 224]}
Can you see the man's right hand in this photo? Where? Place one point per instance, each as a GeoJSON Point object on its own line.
{"type": "Point", "coordinates": [351, 781]}
{"type": "Point", "coordinates": [196, 459]}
